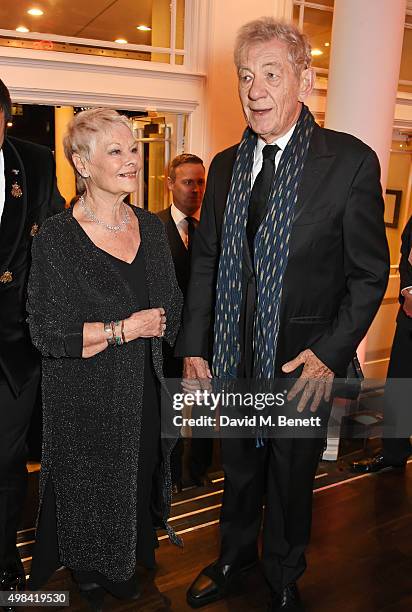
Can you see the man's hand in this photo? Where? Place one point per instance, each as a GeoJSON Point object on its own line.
{"type": "Point", "coordinates": [407, 304]}
{"type": "Point", "coordinates": [316, 380]}
{"type": "Point", "coordinates": [196, 374]}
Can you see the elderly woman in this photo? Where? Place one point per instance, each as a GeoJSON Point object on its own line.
{"type": "Point", "coordinates": [102, 295]}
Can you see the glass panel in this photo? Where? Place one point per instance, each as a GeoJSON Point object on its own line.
{"type": "Point", "coordinates": [84, 19]}
{"type": "Point", "coordinates": [180, 24]}
{"type": "Point", "coordinates": [115, 22]}
{"type": "Point", "coordinates": [406, 64]}
{"type": "Point", "coordinates": [296, 11]}
{"type": "Point", "coordinates": [155, 146]}
{"type": "Point", "coordinates": [161, 57]}
{"type": "Point", "coordinates": [179, 60]}
{"type": "Point", "coordinates": [317, 25]}
{"type": "Point", "coordinates": [155, 166]}
{"type": "Point", "coordinates": [160, 25]}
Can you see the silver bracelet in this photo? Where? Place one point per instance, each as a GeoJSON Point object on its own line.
{"type": "Point", "coordinates": [108, 330]}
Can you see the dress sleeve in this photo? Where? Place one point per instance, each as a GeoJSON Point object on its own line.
{"type": "Point", "coordinates": [48, 293]}
{"type": "Point", "coordinates": [173, 299]}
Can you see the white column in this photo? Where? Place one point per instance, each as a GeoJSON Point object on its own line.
{"type": "Point", "coordinates": [366, 49]}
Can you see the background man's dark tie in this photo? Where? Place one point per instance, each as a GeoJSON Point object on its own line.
{"type": "Point", "coordinates": [191, 227]}
{"type": "Point", "coordinates": [260, 193]}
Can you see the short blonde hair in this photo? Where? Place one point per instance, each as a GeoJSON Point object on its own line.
{"type": "Point", "coordinates": [266, 29]}
{"type": "Point", "coordinates": [83, 133]}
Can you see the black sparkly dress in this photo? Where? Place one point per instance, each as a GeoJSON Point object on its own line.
{"type": "Point", "coordinates": [46, 555]}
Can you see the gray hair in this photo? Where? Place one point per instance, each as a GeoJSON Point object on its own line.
{"type": "Point", "coordinates": [266, 29]}
{"type": "Point", "coordinates": [84, 131]}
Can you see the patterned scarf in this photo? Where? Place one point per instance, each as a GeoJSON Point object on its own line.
{"type": "Point", "coordinates": [271, 250]}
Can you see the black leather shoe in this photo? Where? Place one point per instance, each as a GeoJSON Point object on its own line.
{"type": "Point", "coordinates": [375, 464]}
{"type": "Point", "coordinates": [94, 595]}
{"type": "Point", "coordinates": [212, 584]}
{"type": "Point", "coordinates": [288, 599]}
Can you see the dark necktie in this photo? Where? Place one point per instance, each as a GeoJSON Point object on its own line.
{"type": "Point", "coordinates": [260, 193]}
{"type": "Point", "coordinates": [191, 227]}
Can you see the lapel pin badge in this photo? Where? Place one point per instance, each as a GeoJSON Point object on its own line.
{"type": "Point", "coordinates": [6, 277]}
{"type": "Point", "coordinates": [16, 190]}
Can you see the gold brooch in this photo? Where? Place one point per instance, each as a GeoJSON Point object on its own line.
{"type": "Point", "coordinates": [16, 191]}
{"type": "Point", "coordinates": [34, 229]}
{"type": "Point", "coordinates": [6, 277]}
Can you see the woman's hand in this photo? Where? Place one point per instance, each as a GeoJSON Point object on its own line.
{"type": "Point", "coordinates": [145, 324]}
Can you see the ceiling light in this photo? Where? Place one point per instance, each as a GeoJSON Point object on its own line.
{"type": "Point", "coordinates": [121, 41]}
{"type": "Point", "coordinates": [35, 12]}
{"type": "Point", "coordinates": [9, 123]}
{"type": "Point", "coordinates": [327, 44]}
{"type": "Point", "coordinates": [22, 29]}
{"type": "Point", "coordinates": [316, 52]}
{"type": "Point", "coordinates": [143, 28]}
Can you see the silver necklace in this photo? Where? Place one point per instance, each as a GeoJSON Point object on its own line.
{"type": "Point", "coordinates": [112, 228]}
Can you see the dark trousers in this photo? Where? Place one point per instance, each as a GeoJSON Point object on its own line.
{"type": "Point", "coordinates": [281, 475]}
{"type": "Point", "coordinates": [397, 400]}
{"type": "Point", "coordinates": [200, 453]}
{"type": "Point", "coordinates": [198, 462]}
{"type": "Point", "coordinates": [15, 415]}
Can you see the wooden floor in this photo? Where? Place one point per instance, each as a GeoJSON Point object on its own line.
{"type": "Point", "coordinates": [359, 560]}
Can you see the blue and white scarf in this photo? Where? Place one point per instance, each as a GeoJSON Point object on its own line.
{"type": "Point", "coordinates": [271, 250]}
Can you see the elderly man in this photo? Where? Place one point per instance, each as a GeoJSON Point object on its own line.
{"type": "Point", "coordinates": [291, 262]}
{"type": "Point", "coordinates": [27, 195]}
{"type": "Point", "coordinates": [186, 183]}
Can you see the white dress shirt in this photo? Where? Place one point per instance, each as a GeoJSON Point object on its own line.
{"type": "Point", "coordinates": [180, 221]}
{"type": "Point", "coordinates": [2, 184]}
{"type": "Point", "coordinates": [258, 156]}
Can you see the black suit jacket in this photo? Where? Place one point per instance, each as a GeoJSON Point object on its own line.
{"type": "Point", "coordinates": [181, 259]}
{"type": "Point", "coordinates": [180, 255]}
{"type": "Point", "coordinates": [32, 168]}
{"type": "Point", "coordinates": [405, 271]}
{"type": "Point", "coordinates": [338, 262]}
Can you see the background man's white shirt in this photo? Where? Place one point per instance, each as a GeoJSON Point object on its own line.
{"type": "Point", "coordinates": [180, 221]}
{"type": "Point", "coordinates": [258, 157]}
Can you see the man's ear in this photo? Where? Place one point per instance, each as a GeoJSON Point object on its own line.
{"type": "Point", "coordinates": [170, 183]}
{"type": "Point", "coordinates": [307, 83]}
{"type": "Point", "coordinates": [80, 165]}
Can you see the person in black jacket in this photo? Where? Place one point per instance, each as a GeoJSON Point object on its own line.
{"type": "Point", "coordinates": [291, 261]}
{"type": "Point", "coordinates": [396, 448]}
{"type": "Point", "coordinates": [102, 294]}
{"type": "Point", "coordinates": [186, 182]}
{"type": "Point", "coordinates": [28, 194]}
